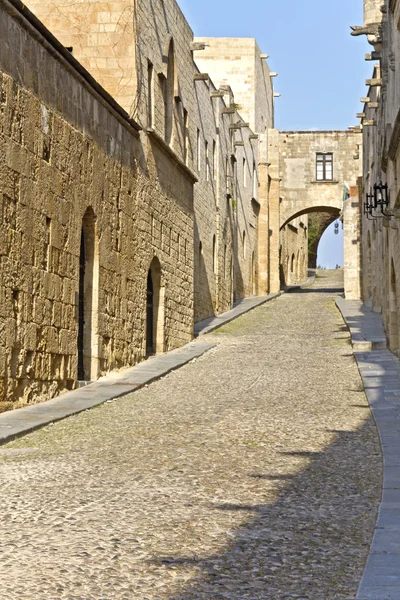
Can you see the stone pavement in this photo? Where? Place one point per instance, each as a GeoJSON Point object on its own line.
{"type": "Point", "coordinates": [251, 473]}
{"type": "Point", "coordinates": [380, 372]}
{"type": "Point", "coordinates": [116, 384]}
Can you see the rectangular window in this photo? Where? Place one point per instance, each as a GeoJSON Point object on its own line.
{"type": "Point", "coordinates": [255, 183]}
{"type": "Point", "coordinates": [150, 95]}
{"type": "Point", "coordinates": [185, 135]}
{"type": "Point", "coordinates": [198, 150]}
{"type": "Point", "coordinates": [214, 160]}
{"type": "Point", "coordinates": [324, 166]}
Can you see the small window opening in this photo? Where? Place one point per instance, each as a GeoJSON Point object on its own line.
{"type": "Point", "coordinates": [324, 166]}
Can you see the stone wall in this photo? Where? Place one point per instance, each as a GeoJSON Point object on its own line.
{"type": "Point", "coordinates": [293, 253]}
{"type": "Point", "coordinates": [238, 62]}
{"type": "Point", "coordinates": [71, 157]}
{"type": "Point", "coordinates": [372, 11]}
{"type": "Point", "coordinates": [160, 77]}
{"type": "Point", "coordinates": [301, 191]}
{"type": "Point", "coordinates": [380, 122]}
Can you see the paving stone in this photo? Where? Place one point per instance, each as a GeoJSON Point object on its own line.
{"type": "Point", "coordinates": [252, 473]}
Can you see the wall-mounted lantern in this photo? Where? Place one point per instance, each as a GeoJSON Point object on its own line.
{"type": "Point", "coordinates": [381, 197]}
{"type": "Point", "coordinates": [376, 201]}
{"type": "Point", "coordinates": [369, 206]}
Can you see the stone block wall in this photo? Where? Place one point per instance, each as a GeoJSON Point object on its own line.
{"type": "Point", "coordinates": [68, 151]}
{"type": "Point", "coordinates": [294, 252]}
{"type": "Point", "coordinates": [372, 11]}
{"type": "Point", "coordinates": [237, 62]}
{"type": "Point", "coordinates": [300, 190]}
{"type": "Point", "coordinates": [223, 270]}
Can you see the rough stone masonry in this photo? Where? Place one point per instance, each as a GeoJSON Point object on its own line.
{"type": "Point", "coordinates": [140, 188]}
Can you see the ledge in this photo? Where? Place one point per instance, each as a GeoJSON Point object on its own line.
{"type": "Point", "coordinates": [172, 154]}
{"type": "Point", "coordinates": [325, 181]}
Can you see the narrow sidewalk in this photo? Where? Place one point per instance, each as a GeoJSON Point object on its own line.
{"type": "Point", "coordinates": [380, 372]}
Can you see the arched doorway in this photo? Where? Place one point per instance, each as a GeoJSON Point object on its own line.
{"type": "Point", "coordinates": [87, 341]}
{"type": "Point", "coordinates": [393, 318]}
{"type": "Point", "coordinates": [154, 310]}
{"type": "Point", "coordinates": [253, 275]}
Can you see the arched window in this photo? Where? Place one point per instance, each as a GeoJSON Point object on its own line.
{"type": "Point", "coordinates": [225, 250]}
{"type": "Point", "coordinates": [215, 254]}
{"type": "Point", "coordinates": [170, 94]}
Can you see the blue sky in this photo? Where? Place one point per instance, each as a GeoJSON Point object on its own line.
{"type": "Point", "coordinates": [321, 67]}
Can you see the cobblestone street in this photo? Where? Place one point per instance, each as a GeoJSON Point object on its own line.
{"type": "Point", "coordinates": [253, 472]}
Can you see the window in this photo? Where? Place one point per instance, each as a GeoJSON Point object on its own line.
{"type": "Point", "coordinates": [150, 100]}
{"type": "Point", "coordinates": [198, 150]}
{"type": "Point", "coordinates": [207, 164]}
{"type": "Point", "coordinates": [214, 254]}
{"type": "Point", "coordinates": [185, 135]}
{"type": "Point", "coordinates": [214, 156]}
{"type": "Point", "coordinates": [244, 172]}
{"type": "Point", "coordinates": [324, 166]}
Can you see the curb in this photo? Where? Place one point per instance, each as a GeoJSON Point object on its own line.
{"type": "Point", "coordinates": [241, 308]}
{"type": "Point", "coordinates": [18, 422]}
{"type": "Point", "coordinates": [380, 373]}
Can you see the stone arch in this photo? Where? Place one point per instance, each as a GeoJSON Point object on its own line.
{"type": "Point", "coordinates": [155, 301]}
{"type": "Point", "coordinates": [393, 315]}
{"type": "Point", "coordinates": [290, 215]}
{"type": "Point", "coordinates": [88, 299]}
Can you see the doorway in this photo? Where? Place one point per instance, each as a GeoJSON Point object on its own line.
{"type": "Point", "coordinates": [154, 310]}
{"type": "Point", "coordinates": [87, 340]}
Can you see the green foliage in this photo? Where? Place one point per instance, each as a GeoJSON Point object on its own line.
{"type": "Point", "coordinates": [313, 234]}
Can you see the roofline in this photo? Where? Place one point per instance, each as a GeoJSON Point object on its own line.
{"type": "Point", "coordinates": [317, 131]}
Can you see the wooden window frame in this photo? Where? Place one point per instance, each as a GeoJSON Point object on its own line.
{"type": "Point", "coordinates": [324, 158]}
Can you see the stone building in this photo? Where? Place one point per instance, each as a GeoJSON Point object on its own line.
{"type": "Point", "coordinates": [380, 124]}
{"type": "Point", "coordinates": [143, 187]}
{"type": "Point", "coordinates": [317, 169]}
{"type": "Point", "coordinates": [130, 188]}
